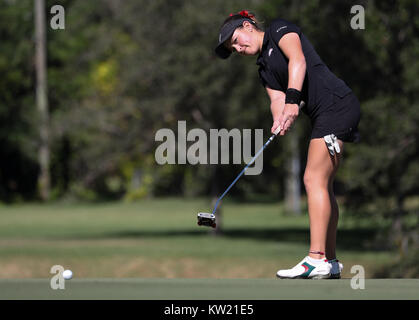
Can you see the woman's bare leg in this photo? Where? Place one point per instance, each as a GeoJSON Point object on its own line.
{"type": "Point", "coordinates": [322, 207]}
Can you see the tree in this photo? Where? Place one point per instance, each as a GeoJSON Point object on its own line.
{"type": "Point", "coordinates": [382, 175]}
{"type": "Point", "coordinates": [42, 99]}
{"type": "Point", "coordinates": [18, 162]}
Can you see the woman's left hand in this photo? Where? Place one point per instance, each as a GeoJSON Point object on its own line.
{"type": "Point", "coordinates": [288, 117]}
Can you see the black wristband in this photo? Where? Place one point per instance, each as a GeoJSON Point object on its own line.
{"type": "Point", "coordinates": [292, 96]}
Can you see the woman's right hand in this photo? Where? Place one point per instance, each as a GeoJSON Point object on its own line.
{"type": "Point", "coordinates": [275, 127]}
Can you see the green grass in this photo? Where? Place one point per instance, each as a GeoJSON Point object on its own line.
{"type": "Point", "coordinates": [160, 239]}
{"type": "Point", "coordinates": [210, 289]}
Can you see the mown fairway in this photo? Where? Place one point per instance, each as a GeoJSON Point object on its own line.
{"type": "Point", "coordinates": [210, 289]}
{"type": "Point", "coordinates": [160, 239]}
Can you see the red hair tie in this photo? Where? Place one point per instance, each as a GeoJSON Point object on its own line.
{"type": "Point", "coordinates": [244, 13]}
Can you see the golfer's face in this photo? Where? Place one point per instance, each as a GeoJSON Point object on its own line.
{"type": "Point", "coordinates": [242, 42]}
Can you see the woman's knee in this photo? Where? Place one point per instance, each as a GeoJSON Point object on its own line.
{"type": "Point", "coordinates": [314, 181]}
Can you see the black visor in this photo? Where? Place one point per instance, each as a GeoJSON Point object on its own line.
{"type": "Point", "coordinates": [225, 33]}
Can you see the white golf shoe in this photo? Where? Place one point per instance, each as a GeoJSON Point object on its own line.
{"type": "Point", "coordinates": [308, 268]}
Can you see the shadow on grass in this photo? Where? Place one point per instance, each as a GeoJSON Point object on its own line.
{"type": "Point", "coordinates": [349, 239]}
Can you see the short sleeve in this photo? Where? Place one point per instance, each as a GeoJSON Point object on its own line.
{"type": "Point", "coordinates": [281, 27]}
{"type": "Point", "coordinates": [267, 79]}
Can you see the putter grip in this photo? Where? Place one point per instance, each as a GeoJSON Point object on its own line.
{"type": "Point", "coordinates": [302, 105]}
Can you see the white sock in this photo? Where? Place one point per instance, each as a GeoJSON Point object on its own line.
{"type": "Point", "coordinates": [314, 261]}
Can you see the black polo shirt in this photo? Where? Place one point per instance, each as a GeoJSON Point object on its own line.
{"type": "Point", "coordinates": [320, 84]}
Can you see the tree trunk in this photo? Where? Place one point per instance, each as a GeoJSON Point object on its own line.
{"type": "Point", "coordinates": [399, 238]}
{"type": "Point", "coordinates": [293, 183]}
{"type": "Point", "coordinates": [42, 100]}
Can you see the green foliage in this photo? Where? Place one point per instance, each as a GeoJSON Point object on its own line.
{"type": "Point", "coordinates": [18, 169]}
{"type": "Point", "coordinates": [382, 171]}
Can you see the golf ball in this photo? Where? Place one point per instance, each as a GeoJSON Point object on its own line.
{"type": "Point", "coordinates": [67, 274]}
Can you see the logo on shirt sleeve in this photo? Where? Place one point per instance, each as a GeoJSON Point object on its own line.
{"type": "Point", "coordinates": [281, 28]}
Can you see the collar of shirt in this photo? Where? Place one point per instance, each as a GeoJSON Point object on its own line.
{"type": "Point", "coordinates": [260, 60]}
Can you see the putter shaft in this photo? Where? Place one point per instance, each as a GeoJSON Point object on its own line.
{"type": "Point", "coordinates": [302, 105]}
{"type": "Point", "coordinates": [243, 171]}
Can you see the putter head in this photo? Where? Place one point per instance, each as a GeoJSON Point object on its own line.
{"type": "Point", "coordinates": [206, 219]}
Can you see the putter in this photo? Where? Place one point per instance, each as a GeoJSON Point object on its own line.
{"type": "Point", "coordinates": [208, 219]}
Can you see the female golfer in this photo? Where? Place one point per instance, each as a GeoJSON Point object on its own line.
{"type": "Point", "coordinates": [291, 71]}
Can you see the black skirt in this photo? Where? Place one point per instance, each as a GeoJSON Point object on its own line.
{"type": "Point", "coordinates": [341, 119]}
